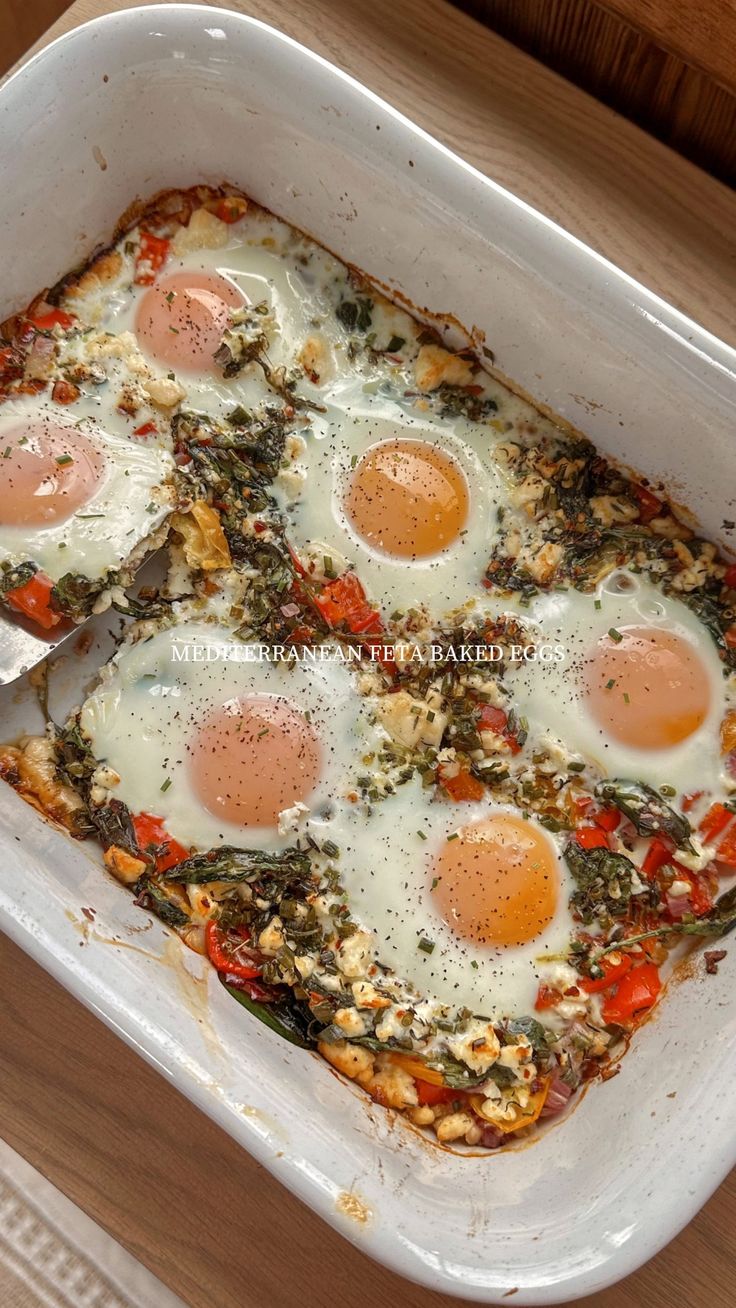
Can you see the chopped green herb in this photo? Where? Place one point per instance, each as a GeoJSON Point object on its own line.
{"type": "Point", "coordinates": [165, 785]}
{"type": "Point", "coordinates": [426, 946]}
{"type": "Point", "coordinates": [63, 459]}
{"type": "Point", "coordinates": [615, 635]}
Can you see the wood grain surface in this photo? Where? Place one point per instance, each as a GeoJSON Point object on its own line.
{"type": "Point", "coordinates": [648, 210]}
{"type": "Point", "coordinates": [703, 34]}
{"type": "Point", "coordinates": [656, 61]}
{"type": "Point", "coordinates": [104, 1127]}
{"type": "Point", "coordinates": [195, 1208]}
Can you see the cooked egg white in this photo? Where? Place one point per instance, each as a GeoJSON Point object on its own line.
{"type": "Point", "coordinates": [76, 495]}
{"type": "Point", "coordinates": [180, 321]}
{"type": "Point", "coordinates": [640, 691]}
{"type": "Point", "coordinates": [393, 863]}
{"type": "Point", "coordinates": [219, 742]}
{"type": "Point", "coordinates": [406, 498]}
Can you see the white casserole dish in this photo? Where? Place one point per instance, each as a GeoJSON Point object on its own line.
{"type": "Point", "coordinates": [170, 95]}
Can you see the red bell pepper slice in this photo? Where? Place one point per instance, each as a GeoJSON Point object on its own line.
{"type": "Point", "coordinates": [145, 429]}
{"type": "Point", "coordinates": [229, 952]}
{"type": "Point", "coordinates": [462, 786]}
{"type": "Point", "coordinates": [715, 821]}
{"type": "Point", "coordinates": [45, 322]}
{"type": "Point", "coordinates": [34, 600]}
{"type": "Point", "coordinates": [730, 576]}
{"type": "Point", "coordinates": [230, 209]}
{"type": "Point", "coordinates": [635, 994]}
{"type": "Point", "coordinates": [606, 818]}
{"type": "Point", "coordinates": [434, 1094]}
{"type": "Point", "coordinates": [591, 838]}
{"type": "Point", "coordinates": [343, 603]}
{"type": "Point", "coordinates": [547, 997]}
{"type": "Point", "coordinates": [496, 719]}
{"type": "Point", "coordinates": [151, 258]}
{"type": "Point", "coordinates": [649, 506]}
{"type": "Point", "coordinates": [726, 850]}
{"type": "Point", "coordinates": [658, 853]}
{"type": "Point", "coordinates": [614, 967]}
{"type": "Point", "coordinates": [153, 838]}
{"type": "Point", "coordinates": [701, 899]}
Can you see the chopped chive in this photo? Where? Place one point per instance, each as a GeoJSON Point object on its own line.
{"type": "Point", "coordinates": [576, 767]}
{"type": "Point", "coordinates": [330, 848]}
{"type": "Point", "coordinates": [614, 634]}
{"type": "Point", "coordinates": [474, 964]}
{"type": "Point", "coordinates": [175, 330]}
{"type": "Point", "coordinates": [598, 604]}
{"type": "Point", "coordinates": [435, 883]}
{"type": "Point", "coordinates": [426, 946]}
{"type": "Point", "coordinates": [169, 297]}
{"type": "Point", "coordinates": [8, 451]}
{"type": "Point", "coordinates": [238, 416]}
{"type": "Point", "coordinates": [165, 785]}
{"type": "Point", "coordinates": [264, 732]}
{"type": "Point", "coordinates": [626, 698]}
{"type": "Point", "coordinates": [63, 459]}
{"type": "Point", "coordinates": [667, 790]}
{"type": "Point", "coordinates": [422, 835]}
{"type": "Point", "coordinates": [328, 568]}
{"type": "Point", "coordinates": [610, 684]}
{"type": "Point", "coordinates": [453, 835]}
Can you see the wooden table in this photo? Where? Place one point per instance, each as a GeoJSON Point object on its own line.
{"type": "Point", "coordinates": [110, 1132]}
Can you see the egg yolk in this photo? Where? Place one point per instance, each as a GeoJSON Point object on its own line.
{"type": "Point", "coordinates": [647, 687]}
{"type": "Point", "coordinates": [407, 498]}
{"type": "Point", "coordinates": [254, 757]}
{"type": "Point", "coordinates": [181, 319]}
{"type": "Point", "coordinates": [48, 470]}
{"type": "Point", "coordinates": [496, 882]}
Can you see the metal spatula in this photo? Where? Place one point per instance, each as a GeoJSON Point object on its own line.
{"type": "Point", "coordinates": [23, 644]}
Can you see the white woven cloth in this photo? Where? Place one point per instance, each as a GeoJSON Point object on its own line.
{"type": "Point", "coordinates": [53, 1256]}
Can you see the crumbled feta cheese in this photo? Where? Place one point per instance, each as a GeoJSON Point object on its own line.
{"type": "Point", "coordinates": [354, 952]}
{"type": "Point", "coordinates": [477, 1045]}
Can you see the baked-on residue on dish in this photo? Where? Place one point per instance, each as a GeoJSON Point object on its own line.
{"type": "Point", "coordinates": [427, 739]}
